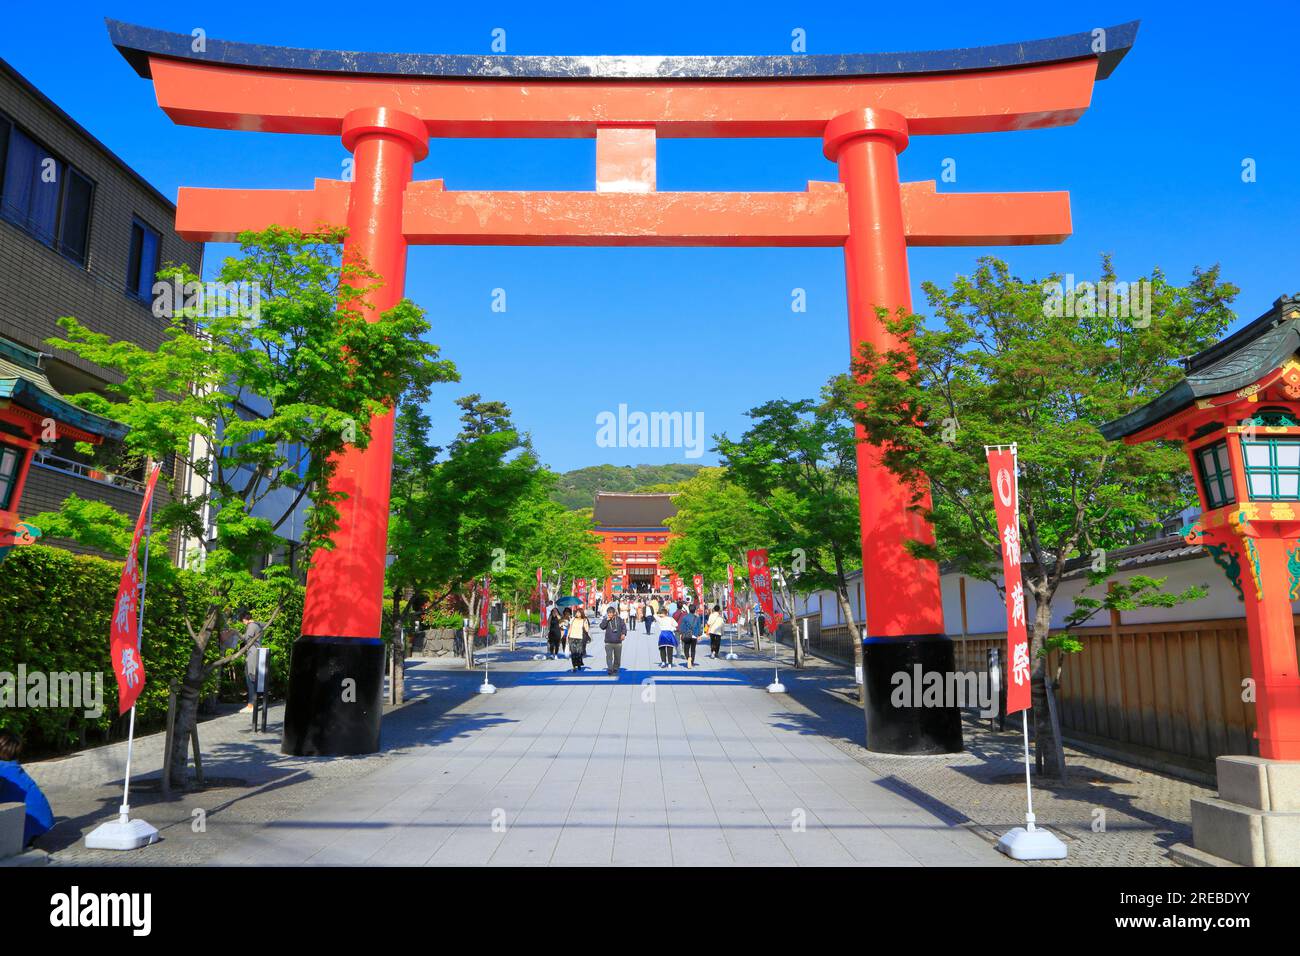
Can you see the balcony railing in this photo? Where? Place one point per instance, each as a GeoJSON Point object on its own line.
{"type": "Point", "coordinates": [89, 472]}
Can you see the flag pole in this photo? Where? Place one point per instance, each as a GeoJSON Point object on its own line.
{"type": "Point", "coordinates": [125, 833]}
{"type": "Point", "coordinates": [1027, 842]}
{"type": "Point", "coordinates": [124, 814]}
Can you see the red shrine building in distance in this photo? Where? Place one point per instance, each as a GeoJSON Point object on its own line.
{"type": "Point", "coordinates": [633, 531]}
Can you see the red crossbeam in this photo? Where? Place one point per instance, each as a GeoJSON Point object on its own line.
{"type": "Point", "coordinates": [434, 215]}
{"type": "Point", "coordinates": [228, 97]}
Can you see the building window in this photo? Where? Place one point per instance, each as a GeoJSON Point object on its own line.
{"type": "Point", "coordinates": [142, 266]}
{"type": "Point", "coordinates": [1216, 475]}
{"type": "Point", "coordinates": [1272, 469]}
{"type": "Point", "coordinates": [43, 195]}
{"type": "Point", "coordinates": [11, 460]}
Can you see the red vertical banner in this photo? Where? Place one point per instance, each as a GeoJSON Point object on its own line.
{"type": "Point", "coordinates": [699, 588]}
{"type": "Point", "coordinates": [676, 587]}
{"type": "Point", "coordinates": [731, 595]}
{"type": "Point", "coordinates": [1017, 669]}
{"type": "Point", "coordinates": [484, 609]}
{"type": "Point", "coordinates": [760, 579]}
{"type": "Point", "coordinates": [124, 630]}
{"type": "Point", "coordinates": [580, 589]}
{"type": "Point", "coordinates": [541, 599]}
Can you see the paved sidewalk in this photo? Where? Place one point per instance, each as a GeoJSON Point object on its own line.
{"type": "Point", "coordinates": [654, 767]}
{"type": "Point", "coordinates": [1108, 813]}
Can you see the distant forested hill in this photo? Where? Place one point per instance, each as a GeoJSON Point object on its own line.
{"type": "Point", "coordinates": [577, 489]}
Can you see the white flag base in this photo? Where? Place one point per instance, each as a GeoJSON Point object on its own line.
{"type": "Point", "coordinates": [1033, 843]}
{"type": "Point", "coordinates": [776, 687]}
{"type": "Point", "coordinates": [486, 688]}
{"type": "Point", "coordinates": [122, 834]}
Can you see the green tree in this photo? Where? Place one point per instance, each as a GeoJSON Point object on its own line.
{"type": "Point", "coordinates": [317, 371]}
{"type": "Point", "coordinates": [1006, 364]}
{"type": "Point", "coordinates": [717, 522]}
{"type": "Point", "coordinates": [797, 466]}
{"type": "Point", "coordinates": [459, 526]}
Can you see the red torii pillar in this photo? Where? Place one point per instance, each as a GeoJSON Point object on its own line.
{"type": "Point", "coordinates": [865, 119]}
{"type": "Point", "coordinates": [904, 606]}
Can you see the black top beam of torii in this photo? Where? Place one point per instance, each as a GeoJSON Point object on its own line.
{"type": "Point", "coordinates": [1108, 45]}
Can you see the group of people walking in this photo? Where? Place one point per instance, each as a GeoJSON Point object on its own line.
{"type": "Point", "coordinates": [680, 628]}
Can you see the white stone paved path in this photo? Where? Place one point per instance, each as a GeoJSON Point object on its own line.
{"type": "Point", "coordinates": [656, 767]}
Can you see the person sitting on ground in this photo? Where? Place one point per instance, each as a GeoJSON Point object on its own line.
{"type": "Point", "coordinates": [667, 638]}
{"type": "Point", "coordinates": [17, 787]}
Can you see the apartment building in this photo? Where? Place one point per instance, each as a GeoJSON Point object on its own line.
{"type": "Point", "coordinates": [81, 234]}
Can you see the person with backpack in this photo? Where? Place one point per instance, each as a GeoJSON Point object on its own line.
{"type": "Point", "coordinates": [686, 629]}
{"type": "Point", "coordinates": [615, 629]}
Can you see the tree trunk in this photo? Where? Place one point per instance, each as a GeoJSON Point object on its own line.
{"type": "Point", "coordinates": [1047, 753]}
{"type": "Point", "coordinates": [846, 609]}
{"type": "Point", "coordinates": [187, 711]}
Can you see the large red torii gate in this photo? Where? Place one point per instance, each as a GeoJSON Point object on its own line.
{"type": "Point", "coordinates": [385, 107]}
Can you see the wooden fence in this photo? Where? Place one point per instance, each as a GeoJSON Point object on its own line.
{"type": "Point", "coordinates": [1171, 693]}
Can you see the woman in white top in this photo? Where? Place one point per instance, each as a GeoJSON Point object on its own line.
{"type": "Point", "coordinates": [667, 629]}
{"type": "Point", "coordinates": [714, 627]}
{"type": "Point", "coordinates": [579, 634]}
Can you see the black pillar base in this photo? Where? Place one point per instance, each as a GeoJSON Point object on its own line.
{"type": "Point", "coordinates": [324, 716]}
{"type": "Point", "coordinates": [907, 729]}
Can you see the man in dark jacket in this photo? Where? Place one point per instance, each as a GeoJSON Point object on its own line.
{"type": "Point", "coordinates": [615, 629]}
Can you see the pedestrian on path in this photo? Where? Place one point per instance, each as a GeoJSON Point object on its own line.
{"type": "Point", "coordinates": [667, 638]}
{"type": "Point", "coordinates": [564, 630]}
{"type": "Point", "coordinates": [615, 629]}
{"type": "Point", "coordinates": [253, 643]}
{"type": "Point", "coordinates": [578, 637]}
{"type": "Point", "coordinates": [715, 625]}
{"type": "Point", "coordinates": [554, 628]}
{"type": "Point", "coordinates": [686, 627]}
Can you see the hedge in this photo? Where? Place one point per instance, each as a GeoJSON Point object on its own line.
{"type": "Point", "coordinates": [55, 608]}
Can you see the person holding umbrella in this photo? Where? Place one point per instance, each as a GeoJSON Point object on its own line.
{"type": "Point", "coordinates": [578, 637]}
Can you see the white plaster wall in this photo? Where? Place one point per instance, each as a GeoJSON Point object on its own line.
{"type": "Point", "coordinates": [986, 613]}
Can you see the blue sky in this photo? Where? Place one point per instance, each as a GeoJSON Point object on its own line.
{"type": "Point", "coordinates": [1153, 168]}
